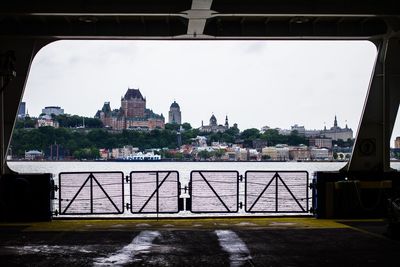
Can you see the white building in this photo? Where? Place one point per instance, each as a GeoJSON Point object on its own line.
{"type": "Point", "coordinates": [320, 154]}
{"type": "Point", "coordinates": [123, 152]}
{"type": "Point", "coordinates": [279, 152]}
{"type": "Point", "coordinates": [200, 141]}
{"type": "Point", "coordinates": [33, 155]}
{"type": "Point", "coordinates": [46, 122]}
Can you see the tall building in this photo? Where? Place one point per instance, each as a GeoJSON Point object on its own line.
{"type": "Point", "coordinates": [133, 104]}
{"type": "Point", "coordinates": [52, 110]}
{"type": "Point", "coordinates": [22, 110]}
{"type": "Point", "coordinates": [132, 115]}
{"type": "Point", "coordinates": [174, 115]}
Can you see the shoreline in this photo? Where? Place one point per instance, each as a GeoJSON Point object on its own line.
{"type": "Point", "coordinates": [186, 161]}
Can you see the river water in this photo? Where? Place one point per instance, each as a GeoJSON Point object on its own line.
{"type": "Point", "coordinates": [184, 169]}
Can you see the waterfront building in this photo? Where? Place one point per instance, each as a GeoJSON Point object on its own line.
{"type": "Point", "coordinates": [21, 110]}
{"type": "Point", "coordinates": [33, 155]}
{"type": "Point", "coordinates": [397, 142]}
{"type": "Point", "coordinates": [104, 153]}
{"type": "Point", "coordinates": [213, 126]}
{"type": "Point", "coordinates": [278, 152]}
{"type": "Point", "coordinates": [299, 153]}
{"type": "Point", "coordinates": [52, 110]}
{"type": "Point", "coordinates": [123, 152]}
{"type": "Point", "coordinates": [253, 155]}
{"type": "Point", "coordinates": [132, 115]}
{"type": "Point", "coordinates": [231, 155]}
{"type": "Point", "coordinates": [243, 154]}
{"type": "Point", "coordinates": [320, 154]}
{"type": "Point", "coordinates": [270, 153]}
{"type": "Point", "coordinates": [320, 142]}
{"type": "Point", "coordinates": [282, 152]}
{"type": "Point", "coordinates": [174, 114]}
{"type": "Point", "coordinates": [336, 132]}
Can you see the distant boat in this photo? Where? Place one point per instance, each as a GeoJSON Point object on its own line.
{"type": "Point", "coordinates": [140, 157]}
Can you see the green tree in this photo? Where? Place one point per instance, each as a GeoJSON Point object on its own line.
{"type": "Point", "coordinates": [219, 153]}
{"type": "Point", "coordinates": [249, 135]}
{"type": "Point", "coordinates": [186, 126]}
{"type": "Point", "coordinates": [204, 154]}
{"type": "Point", "coordinates": [172, 126]}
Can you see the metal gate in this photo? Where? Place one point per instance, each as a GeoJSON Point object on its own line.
{"type": "Point", "coordinates": [86, 193]}
{"type": "Point", "coordinates": [157, 192]}
{"type": "Point", "coordinates": [276, 191]}
{"type": "Point", "coordinates": [154, 191]}
{"type": "Point", "coordinates": [214, 191]}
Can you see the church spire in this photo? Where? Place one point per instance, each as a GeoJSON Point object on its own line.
{"type": "Point", "coordinates": [226, 122]}
{"type": "Point", "coordinates": [335, 122]}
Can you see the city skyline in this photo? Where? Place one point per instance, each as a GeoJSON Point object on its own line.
{"type": "Point", "coordinates": [255, 83]}
{"type": "Point", "coordinates": [212, 114]}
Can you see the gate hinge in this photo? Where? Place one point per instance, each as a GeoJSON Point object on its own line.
{"type": "Point", "coordinates": [55, 188]}
{"type": "Point", "coordinates": [55, 213]}
{"type": "Point", "coordinates": [240, 205]}
{"type": "Point", "coordinates": [127, 178]}
{"type": "Point", "coordinates": [240, 178]}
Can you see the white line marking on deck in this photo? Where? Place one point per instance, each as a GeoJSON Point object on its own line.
{"type": "Point", "coordinates": [140, 244]}
{"type": "Point", "coordinates": [48, 249]}
{"type": "Point", "coordinates": [237, 249]}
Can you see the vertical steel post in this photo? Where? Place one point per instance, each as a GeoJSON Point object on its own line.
{"type": "Point", "coordinates": [157, 195]}
{"type": "Point", "coordinates": [91, 192]}
{"type": "Point", "coordinates": [3, 152]}
{"type": "Point", "coordinates": [276, 192]}
{"type": "Point", "coordinates": [371, 152]}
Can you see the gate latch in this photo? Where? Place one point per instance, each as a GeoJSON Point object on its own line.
{"type": "Point", "coordinates": [128, 206]}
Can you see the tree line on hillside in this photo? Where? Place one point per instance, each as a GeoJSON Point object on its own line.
{"type": "Point", "coordinates": [82, 143]}
{"type": "Point", "coordinates": [64, 120]}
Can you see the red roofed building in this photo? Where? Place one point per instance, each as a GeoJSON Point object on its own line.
{"type": "Point", "coordinates": [132, 114]}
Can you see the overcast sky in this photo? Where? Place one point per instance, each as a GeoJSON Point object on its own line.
{"type": "Point", "coordinates": [255, 83]}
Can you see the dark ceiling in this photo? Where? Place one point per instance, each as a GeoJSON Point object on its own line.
{"type": "Point", "coordinates": [199, 19]}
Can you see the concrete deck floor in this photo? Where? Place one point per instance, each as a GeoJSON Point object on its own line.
{"type": "Point", "coordinates": [199, 242]}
